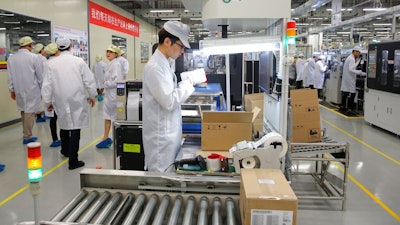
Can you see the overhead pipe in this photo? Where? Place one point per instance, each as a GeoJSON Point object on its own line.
{"type": "Point", "coordinates": [308, 7]}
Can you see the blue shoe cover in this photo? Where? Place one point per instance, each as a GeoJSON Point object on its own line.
{"type": "Point", "coordinates": [104, 143]}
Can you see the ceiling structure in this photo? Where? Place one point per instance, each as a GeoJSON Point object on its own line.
{"type": "Point", "coordinates": [312, 16]}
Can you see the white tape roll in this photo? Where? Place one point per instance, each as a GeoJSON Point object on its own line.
{"type": "Point", "coordinates": [214, 164]}
{"type": "Point", "coordinates": [249, 163]}
{"type": "Point", "coordinates": [276, 137]}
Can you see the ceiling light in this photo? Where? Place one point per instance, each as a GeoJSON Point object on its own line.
{"type": "Point", "coordinates": [374, 9]}
{"type": "Point", "coordinates": [6, 14]}
{"type": "Point", "coordinates": [343, 32]}
{"type": "Point", "coordinates": [382, 32]}
{"type": "Point", "coordinates": [382, 24]}
{"type": "Point", "coordinates": [325, 24]}
{"type": "Point", "coordinates": [34, 21]}
{"type": "Point", "coordinates": [341, 9]}
{"type": "Point", "coordinates": [171, 19]}
{"type": "Point", "coordinates": [12, 22]}
{"type": "Point", "coordinates": [196, 18]}
{"type": "Point", "coordinates": [2, 28]}
{"type": "Point", "coordinates": [43, 35]}
{"type": "Point", "coordinates": [162, 11]}
{"type": "Point", "coordinates": [382, 28]}
{"type": "Point", "coordinates": [360, 28]}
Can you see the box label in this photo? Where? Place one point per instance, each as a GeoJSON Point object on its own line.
{"type": "Point", "coordinates": [132, 148]}
{"type": "Point", "coordinates": [271, 217]}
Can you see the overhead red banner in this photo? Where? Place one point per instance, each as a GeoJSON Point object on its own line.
{"type": "Point", "coordinates": [106, 18]}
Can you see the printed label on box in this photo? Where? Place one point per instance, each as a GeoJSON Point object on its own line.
{"type": "Point", "coordinates": [271, 217]}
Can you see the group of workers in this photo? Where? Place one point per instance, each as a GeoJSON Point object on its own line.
{"type": "Point", "coordinates": [311, 74]}
{"type": "Point", "coordinates": [68, 87]}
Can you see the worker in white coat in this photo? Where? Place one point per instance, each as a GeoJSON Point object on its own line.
{"type": "Point", "coordinates": [66, 82]}
{"type": "Point", "coordinates": [124, 63]}
{"type": "Point", "coordinates": [308, 73]}
{"type": "Point", "coordinates": [348, 86]}
{"type": "Point", "coordinates": [24, 83]}
{"type": "Point", "coordinates": [162, 98]}
{"type": "Point", "coordinates": [111, 77]}
{"type": "Point", "coordinates": [41, 54]}
{"type": "Point", "coordinates": [300, 62]}
{"type": "Point", "coordinates": [319, 74]}
{"type": "Point", "coordinates": [99, 70]}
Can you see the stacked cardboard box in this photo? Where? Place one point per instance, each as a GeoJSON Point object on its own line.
{"type": "Point", "coordinates": [266, 198]}
{"type": "Point", "coordinates": [306, 124]}
{"type": "Point", "coordinates": [251, 101]}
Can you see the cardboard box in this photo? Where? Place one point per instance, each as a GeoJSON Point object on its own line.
{"type": "Point", "coordinates": [221, 130]}
{"type": "Point", "coordinates": [255, 100]}
{"type": "Point", "coordinates": [306, 125]}
{"type": "Point", "coordinates": [266, 195]}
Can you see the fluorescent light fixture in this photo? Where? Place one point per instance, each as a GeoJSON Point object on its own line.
{"type": "Point", "coordinates": [382, 24]}
{"type": "Point", "coordinates": [374, 9]}
{"type": "Point", "coordinates": [162, 11]}
{"type": "Point", "coordinates": [364, 32]}
{"type": "Point", "coordinates": [303, 24]}
{"type": "Point", "coordinates": [382, 28]}
{"type": "Point", "coordinates": [316, 18]}
{"type": "Point", "coordinates": [6, 14]}
{"type": "Point", "coordinates": [196, 18]}
{"type": "Point", "coordinates": [34, 21]}
{"type": "Point", "coordinates": [178, 19]}
{"type": "Point", "coordinates": [360, 28]}
{"type": "Point", "coordinates": [16, 28]}
{"type": "Point", "coordinates": [2, 28]}
{"type": "Point", "coordinates": [382, 32]}
{"type": "Point", "coordinates": [325, 24]}
{"type": "Point", "coordinates": [349, 9]}
{"type": "Point", "coordinates": [240, 44]}
{"type": "Point", "coordinates": [12, 22]}
{"type": "Point", "coordinates": [43, 35]}
{"type": "Point", "coordinates": [343, 32]}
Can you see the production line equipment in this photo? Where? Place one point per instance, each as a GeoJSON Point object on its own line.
{"type": "Point", "coordinates": [115, 197]}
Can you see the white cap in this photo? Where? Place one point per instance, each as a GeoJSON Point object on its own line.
{"type": "Point", "coordinates": [51, 49]}
{"type": "Point", "coordinates": [180, 30]}
{"type": "Point", "coordinates": [301, 55]}
{"type": "Point", "coordinates": [321, 57]}
{"type": "Point", "coordinates": [357, 48]}
{"type": "Point", "coordinates": [63, 43]}
{"type": "Point", "coordinates": [38, 47]}
{"type": "Point", "coordinates": [25, 41]}
{"type": "Point", "coordinates": [113, 48]}
{"type": "Point", "coordinates": [121, 52]}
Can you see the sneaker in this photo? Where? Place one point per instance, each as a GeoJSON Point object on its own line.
{"type": "Point", "coordinates": [32, 139]}
{"type": "Point", "coordinates": [40, 120]}
{"type": "Point", "coordinates": [105, 143]}
{"type": "Point", "coordinates": [46, 117]}
{"type": "Point", "coordinates": [2, 167]}
{"type": "Point", "coordinates": [77, 165]}
{"type": "Point", "coordinates": [55, 143]}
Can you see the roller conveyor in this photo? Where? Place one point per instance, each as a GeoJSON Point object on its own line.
{"type": "Point", "coordinates": [115, 197]}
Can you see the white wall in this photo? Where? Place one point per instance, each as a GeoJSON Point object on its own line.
{"type": "Point", "coordinates": [74, 14]}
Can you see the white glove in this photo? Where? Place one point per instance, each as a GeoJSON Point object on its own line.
{"type": "Point", "coordinates": [195, 76]}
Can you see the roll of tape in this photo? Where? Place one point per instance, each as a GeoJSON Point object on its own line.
{"type": "Point", "coordinates": [249, 163]}
{"type": "Point", "coordinates": [214, 164]}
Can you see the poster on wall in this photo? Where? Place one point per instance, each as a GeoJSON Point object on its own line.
{"type": "Point", "coordinates": [79, 40]}
{"type": "Point", "coordinates": [144, 52]}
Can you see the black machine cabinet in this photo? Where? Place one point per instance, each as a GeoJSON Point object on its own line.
{"type": "Point", "coordinates": [128, 145]}
{"type": "Point", "coordinates": [384, 66]}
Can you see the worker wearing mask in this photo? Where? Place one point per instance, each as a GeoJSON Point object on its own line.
{"type": "Point", "coordinates": [25, 72]}
{"type": "Point", "coordinates": [67, 79]}
{"type": "Point", "coordinates": [163, 96]}
{"type": "Point", "coordinates": [349, 78]}
{"type": "Point", "coordinates": [319, 74]}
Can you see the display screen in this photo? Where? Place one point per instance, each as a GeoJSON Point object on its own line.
{"type": "Point", "coordinates": [120, 85]}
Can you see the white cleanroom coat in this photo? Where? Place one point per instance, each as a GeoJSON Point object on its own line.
{"type": "Point", "coordinates": [162, 118]}
{"type": "Point", "coordinates": [112, 76]}
{"type": "Point", "coordinates": [308, 72]}
{"type": "Point", "coordinates": [319, 74]}
{"type": "Point", "coordinates": [125, 66]}
{"type": "Point", "coordinates": [99, 69]}
{"type": "Point", "coordinates": [25, 79]}
{"type": "Point", "coordinates": [300, 69]}
{"type": "Point", "coordinates": [350, 73]}
{"type": "Point", "coordinates": [67, 79]}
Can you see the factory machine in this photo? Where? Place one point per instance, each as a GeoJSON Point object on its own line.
{"type": "Point", "coordinates": [116, 197]}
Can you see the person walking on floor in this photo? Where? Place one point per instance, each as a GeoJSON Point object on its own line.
{"type": "Point", "coordinates": [348, 85]}
{"type": "Point", "coordinates": [25, 72]}
{"type": "Point", "coordinates": [99, 70]}
{"type": "Point", "coordinates": [308, 73]}
{"type": "Point", "coordinates": [66, 82]}
{"type": "Point", "coordinates": [41, 54]}
{"type": "Point", "coordinates": [52, 51]}
{"type": "Point", "coordinates": [112, 76]}
{"type": "Point", "coordinates": [300, 62]}
{"type": "Point", "coordinates": [319, 75]}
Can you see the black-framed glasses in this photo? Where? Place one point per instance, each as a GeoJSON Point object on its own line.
{"type": "Point", "coordinates": [180, 45]}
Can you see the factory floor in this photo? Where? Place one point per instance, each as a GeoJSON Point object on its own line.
{"type": "Point", "coordinates": [373, 195]}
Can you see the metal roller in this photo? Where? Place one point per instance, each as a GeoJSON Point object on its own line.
{"type": "Point", "coordinates": [144, 218]}
{"type": "Point", "coordinates": [216, 216]}
{"type": "Point", "coordinates": [162, 210]}
{"type": "Point", "coordinates": [108, 208]}
{"type": "Point", "coordinates": [230, 211]}
{"type": "Point", "coordinates": [137, 205]}
{"type": "Point", "coordinates": [70, 206]}
{"type": "Point", "coordinates": [95, 207]}
{"type": "Point", "coordinates": [80, 209]}
{"type": "Point", "coordinates": [117, 216]}
{"type": "Point", "coordinates": [202, 218]}
{"type": "Point", "coordinates": [173, 218]}
{"type": "Point", "coordinates": [188, 216]}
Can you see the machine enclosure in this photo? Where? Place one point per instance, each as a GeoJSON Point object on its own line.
{"type": "Point", "coordinates": [266, 195]}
